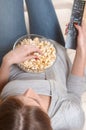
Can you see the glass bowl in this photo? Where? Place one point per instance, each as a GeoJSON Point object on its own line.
{"type": "Point", "coordinates": [45, 60]}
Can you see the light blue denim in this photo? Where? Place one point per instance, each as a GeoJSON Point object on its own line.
{"type": "Point", "coordinates": [43, 21]}
{"type": "Point", "coordinates": [12, 24]}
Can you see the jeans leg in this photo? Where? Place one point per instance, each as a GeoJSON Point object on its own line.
{"type": "Point", "coordinates": [12, 24]}
{"type": "Point", "coordinates": [43, 20]}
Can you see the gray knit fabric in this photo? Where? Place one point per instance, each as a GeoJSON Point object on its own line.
{"type": "Point", "coordinates": [64, 88]}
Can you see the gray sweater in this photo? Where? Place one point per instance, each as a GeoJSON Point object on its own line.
{"type": "Point", "coordinates": [64, 88]}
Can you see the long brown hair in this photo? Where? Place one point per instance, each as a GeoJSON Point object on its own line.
{"type": "Point", "coordinates": [14, 115]}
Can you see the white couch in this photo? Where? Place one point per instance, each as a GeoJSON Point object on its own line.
{"type": "Point", "coordinates": [63, 11]}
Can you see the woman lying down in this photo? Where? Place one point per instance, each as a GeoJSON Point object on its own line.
{"type": "Point", "coordinates": [45, 101]}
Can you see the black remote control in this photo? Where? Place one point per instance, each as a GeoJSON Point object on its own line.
{"type": "Point", "coordinates": [76, 16]}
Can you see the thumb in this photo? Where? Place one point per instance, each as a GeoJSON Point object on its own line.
{"type": "Point", "coordinates": [77, 26]}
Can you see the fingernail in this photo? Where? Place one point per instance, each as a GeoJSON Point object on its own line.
{"type": "Point", "coordinates": [76, 23]}
{"type": "Point", "coordinates": [36, 58]}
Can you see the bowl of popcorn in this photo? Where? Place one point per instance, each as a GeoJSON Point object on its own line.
{"type": "Point", "coordinates": [44, 60]}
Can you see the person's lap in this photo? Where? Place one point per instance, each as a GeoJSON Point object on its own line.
{"type": "Point", "coordinates": [43, 21]}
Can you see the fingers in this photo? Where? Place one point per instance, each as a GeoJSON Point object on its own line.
{"type": "Point", "coordinates": [79, 28]}
{"type": "Point", "coordinates": [25, 52]}
{"type": "Point", "coordinates": [66, 30]}
{"type": "Point", "coordinates": [75, 25]}
{"type": "Point", "coordinates": [31, 57]}
{"type": "Point", "coordinates": [29, 49]}
{"type": "Point", "coordinates": [34, 49]}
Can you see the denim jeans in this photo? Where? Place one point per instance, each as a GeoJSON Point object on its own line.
{"type": "Point", "coordinates": [12, 24]}
{"type": "Point", "coordinates": [42, 17]}
{"type": "Point", "coordinates": [43, 20]}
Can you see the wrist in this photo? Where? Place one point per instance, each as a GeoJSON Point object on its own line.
{"type": "Point", "coordinates": [79, 63]}
{"type": "Point", "coordinates": [81, 53]}
{"type": "Point", "coordinates": [8, 59]}
{"type": "Point", "coordinates": [6, 62]}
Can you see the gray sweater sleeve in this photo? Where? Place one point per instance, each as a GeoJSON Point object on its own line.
{"type": "Point", "coordinates": [76, 85]}
{"type": "Point", "coordinates": [71, 105]}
